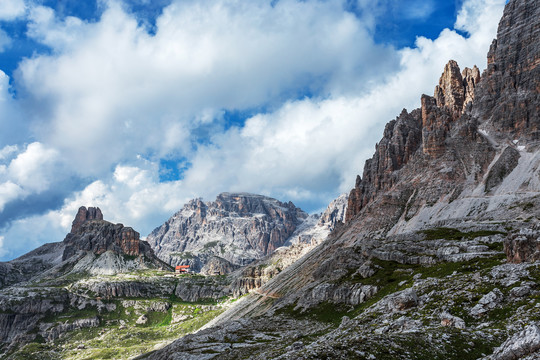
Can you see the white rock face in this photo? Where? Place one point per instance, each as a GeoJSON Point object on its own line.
{"type": "Point", "coordinates": [237, 227]}
{"type": "Point", "coordinates": [521, 344]}
{"type": "Point", "coordinates": [317, 227]}
{"type": "Point", "coordinates": [240, 228]}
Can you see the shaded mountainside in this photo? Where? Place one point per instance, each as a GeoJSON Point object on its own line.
{"type": "Point", "coordinates": [423, 267]}
{"type": "Point", "coordinates": [238, 228]}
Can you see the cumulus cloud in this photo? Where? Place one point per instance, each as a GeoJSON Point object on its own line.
{"type": "Point", "coordinates": [8, 192]}
{"type": "Point", "coordinates": [47, 29]}
{"type": "Point", "coordinates": [28, 173]}
{"type": "Point", "coordinates": [34, 169]}
{"type": "Point", "coordinates": [12, 9]}
{"type": "Point", "coordinates": [112, 88]}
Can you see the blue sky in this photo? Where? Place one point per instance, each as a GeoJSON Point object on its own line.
{"type": "Point", "coordinates": [138, 106]}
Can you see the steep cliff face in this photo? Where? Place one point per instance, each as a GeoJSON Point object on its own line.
{"type": "Point", "coordinates": [438, 129]}
{"type": "Point", "coordinates": [508, 96]}
{"type": "Point", "coordinates": [91, 237]}
{"type": "Point", "coordinates": [313, 231]}
{"type": "Point", "coordinates": [99, 236]}
{"type": "Point", "coordinates": [401, 139]}
{"type": "Point", "coordinates": [236, 227]}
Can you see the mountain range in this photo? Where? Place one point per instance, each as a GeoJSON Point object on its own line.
{"type": "Point", "coordinates": [435, 253]}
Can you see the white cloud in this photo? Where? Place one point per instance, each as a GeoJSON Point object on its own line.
{"type": "Point", "coordinates": [30, 171]}
{"type": "Point", "coordinates": [3, 252]}
{"type": "Point", "coordinates": [9, 191]}
{"type": "Point", "coordinates": [12, 9]}
{"type": "Point", "coordinates": [111, 87]}
{"type": "Point", "coordinates": [477, 18]}
{"type": "Point", "coordinates": [132, 195]}
{"type": "Point", "coordinates": [7, 151]}
{"type": "Point", "coordinates": [47, 29]}
{"type": "Point", "coordinates": [35, 168]}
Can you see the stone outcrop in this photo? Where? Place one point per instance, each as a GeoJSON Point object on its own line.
{"type": "Point", "coordinates": [509, 93]}
{"type": "Point", "coordinates": [454, 92]}
{"type": "Point", "coordinates": [83, 215]}
{"type": "Point", "coordinates": [401, 139]}
{"type": "Point", "coordinates": [523, 245]}
{"type": "Point", "coordinates": [488, 302]}
{"type": "Point", "coordinates": [100, 236]}
{"type": "Point", "coordinates": [95, 237]}
{"type": "Point", "coordinates": [448, 319]}
{"type": "Point", "coordinates": [455, 89]}
{"type": "Point", "coordinates": [237, 227]}
{"type": "Point", "coordinates": [522, 344]}
{"type": "Point", "coordinates": [59, 330]}
{"type": "Point", "coordinates": [507, 162]}
{"type": "Point", "coordinates": [337, 294]}
{"type": "Point", "coordinates": [218, 266]}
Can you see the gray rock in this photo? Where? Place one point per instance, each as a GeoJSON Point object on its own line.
{"type": "Point", "coordinates": [143, 319]}
{"type": "Point", "coordinates": [448, 319]}
{"type": "Point", "coordinates": [507, 161]}
{"type": "Point", "coordinates": [519, 345]}
{"type": "Point", "coordinates": [237, 227]}
{"type": "Point", "coordinates": [60, 330]}
{"type": "Point", "coordinates": [520, 291]}
{"type": "Point", "coordinates": [488, 302]}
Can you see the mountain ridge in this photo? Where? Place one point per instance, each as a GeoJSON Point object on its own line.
{"type": "Point", "coordinates": [450, 198]}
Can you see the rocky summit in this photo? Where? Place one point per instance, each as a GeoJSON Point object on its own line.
{"type": "Point", "coordinates": [237, 228]}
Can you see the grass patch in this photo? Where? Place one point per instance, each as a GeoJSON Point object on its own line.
{"type": "Point", "coordinates": [455, 234]}
{"type": "Point", "coordinates": [183, 255]}
{"type": "Point", "coordinates": [325, 312]}
{"type": "Point", "coordinates": [210, 245]}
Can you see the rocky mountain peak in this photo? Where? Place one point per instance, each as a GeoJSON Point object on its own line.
{"type": "Point", "coordinates": [451, 97]}
{"type": "Point", "coordinates": [456, 89]}
{"type": "Point", "coordinates": [335, 212]}
{"type": "Point", "coordinates": [84, 215]}
{"type": "Point", "coordinates": [450, 92]}
{"type": "Point", "coordinates": [237, 227]}
{"type": "Point", "coordinates": [471, 77]}
{"type": "Point", "coordinates": [91, 234]}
